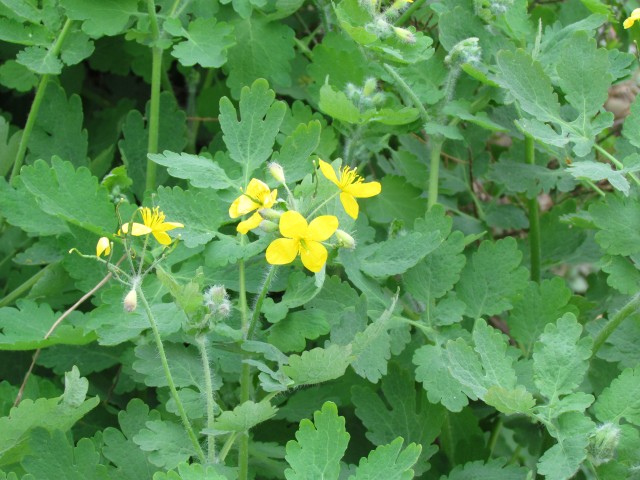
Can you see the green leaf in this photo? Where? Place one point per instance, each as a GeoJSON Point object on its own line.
{"type": "Point", "coordinates": [399, 414]}
{"type": "Point", "coordinates": [337, 105]}
{"type": "Point", "coordinates": [242, 418]}
{"type": "Point", "coordinates": [76, 47]}
{"type": "Point", "coordinates": [14, 31]}
{"type": "Point", "coordinates": [530, 179]}
{"type": "Point", "coordinates": [300, 289]}
{"type": "Point", "coordinates": [194, 471]}
{"type": "Point", "coordinates": [262, 49]}
{"type": "Point", "coordinates": [631, 126]}
{"type": "Point", "coordinates": [202, 172]}
{"type": "Point", "coordinates": [318, 447]}
{"type": "Point", "coordinates": [250, 140]}
{"type": "Point", "coordinates": [167, 442]}
{"type": "Point", "coordinates": [291, 333]}
{"type": "Point", "coordinates": [65, 139]}
{"type": "Point", "coordinates": [539, 305]}
{"type": "Point", "coordinates": [25, 327]}
{"type": "Point", "coordinates": [319, 365]}
{"type": "Point", "coordinates": [619, 225]}
{"type": "Point", "coordinates": [296, 149]}
{"type": "Point", "coordinates": [119, 448]}
{"type": "Point", "coordinates": [17, 77]}
{"type": "Point", "coordinates": [54, 457]}
{"type": "Point", "coordinates": [106, 17]}
{"type": "Point", "coordinates": [184, 363]}
{"type": "Point", "coordinates": [399, 200]}
{"type": "Point", "coordinates": [624, 275]}
{"type": "Point", "coordinates": [40, 60]}
{"type": "Point", "coordinates": [492, 278]}
{"type": "Point", "coordinates": [492, 470]}
{"type": "Point", "coordinates": [24, 10]}
{"type": "Point", "coordinates": [75, 388]}
{"type": "Point", "coordinates": [509, 400]}
{"type": "Point", "coordinates": [388, 462]}
{"type": "Point", "coordinates": [560, 357]}
{"type": "Point", "coordinates": [206, 44]}
{"type": "Point", "coordinates": [621, 399]}
{"type": "Point", "coordinates": [601, 171]}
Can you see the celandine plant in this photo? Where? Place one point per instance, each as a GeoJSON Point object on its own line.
{"type": "Point", "coordinates": [333, 240]}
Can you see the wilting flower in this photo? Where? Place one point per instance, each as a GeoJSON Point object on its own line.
{"type": "Point", "coordinates": [633, 18]}
{"type": "Point", "coordinates": [302, 238]}
{"type": "Point", "coordinates": [256, 196]}
{"type": "Point", "coordinates": [351, 186]}
{"type": "Point", "coordinates": [153, 222]}
{"type": "Point", "coordinates": [103, 246]}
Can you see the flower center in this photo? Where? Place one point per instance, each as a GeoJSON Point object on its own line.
{"type": "Point", "coordinates": [349, 177]}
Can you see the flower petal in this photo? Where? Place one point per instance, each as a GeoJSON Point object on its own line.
{"type": "Point", "coordinates": [293, 225]}
{"type": "Point", "coordinates": [249, 224]}
{"type": "Point", "coordinates": [103, 246]}
{"type": "Point", "coordinates": [327, 171]}
{"type": "Point", "coordinates": [166, 226]}
{"type": "Point", "coordinates": [364, 190]}
{"type": "Point", "coordinates": [322, 227]}
{"type": "Point", "coordinates": [137, 229]}
{"type": "Point", "coordinates": [282, 251]}
{"type": "Point", "coordinates": [313, 255]}
{"type": "Point", "coordinates": [162, 237]}
{"type": "Point", "coordinates": [350, 205]}
{"type": "Point", "coordinates": [257, 189]}
{"type": "Point", "coordinates": [628, 23]}
{"type": "Point", "coordinates": [270, 199]}
{"type": "Point", "coordinates": [241, 206]}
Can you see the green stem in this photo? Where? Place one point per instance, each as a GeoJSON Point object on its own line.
{"type": "Point", "coordinates": [630, 308]}
{"type": "Point", "coordinates": [410, 93]}
{"type": "Point", "coordinates": [169, 377]}
{"type": "Point", "coordinates": [494, 436]}
{"type": "Point", "coordinates": [255, 317]}
{"type": "Point", "coordinates": [37, 101]}
{"type": "Point", "coordinates": [315, 210]}
{"type": "Point", "coordinates": [226, 447]}
{"type": "Point", "coordinates": [616, 162]}
{"type": "Point", "coordinates": [208, 384]}
{"type": "Point", "coordinates": [534, 216]}
{"type": "Point", "coordinates": [245, 376]}
{"type": "Point", "coordinates": [406, 16]}
{"type": "Point", "coordinates": [154, 108]}
{"type": "Point", "coordinates": [17, 293]}
{"type": "Point", "coordinates": [434, 171]}
{"type": "Point", "coordinates": [195, 124]}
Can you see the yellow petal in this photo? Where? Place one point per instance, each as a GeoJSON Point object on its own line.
{"type": "Point", "coordinates": [327, 171]}
{"type": "Point", "coordinates": [282, 251]}
{"type": "Point", "coordinates": [269, 200]}
{"type": "Point", "coordinates": [257, 189]}
{"type": "Point", "coordinates": [249, 224]}
{"type": "Point", "coordinates": [364, 190]}
{"type": "Point", "coordinates": [162, 238]}
{"type": "Point", "coordinates": [103, 246]}
{"type": "Point", "coordinates": [350, 205]}
{"type": "Point", "coordinates": [137, 229]}
{"type": "Point", "coordinates": [322, 227]}
{"type": "Point", "coordinates": [293, 225]}
{"type": "Point", "coordinates": [313, 255]}
{"type": "Point", "coordinates": [166, 226]}
{"type": "Point", "coordinates": [628, 23]}
{"type": "Point", "coordinates": [241, 206]}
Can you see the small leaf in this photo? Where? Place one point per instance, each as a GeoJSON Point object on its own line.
{"type": "Point", "coordinates": [242, 418]}
{"type": "Point", "coordinates": [388, 462]}
{"type": "Point", "coordinates": [621, 399]}
{"type": "Point", "coordinates": [319, 365]}
{"type": "Point", "coordinates": [206, 44]}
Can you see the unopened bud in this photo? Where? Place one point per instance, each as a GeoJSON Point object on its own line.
{"type": "Point", "coordinates": [270, 213]}
{"type": "Point", "coordinates": [131, 301]}
{"type": "Point", "coordinates": [345, 240]}
{"type": "Point", "coordinates": [604, 443]}
{"type": "Point", "coordinates": [396, 7]}
{"type": "Point", "coordinates": [465, 51]}
{"type": "Point", "coordinates": [268, 226]}
{"type": "Point", "coordinates": [378, 98]}
{"type": "Point", "coordinates": [215, 295]}
{"type": "Point", "coordinates": [370, 86]}
{"type": "Point", "coordinates": [103, 246]}
{"type": "Point", "coordinates": [404, 35]}
{"type": "Point", "coordinates": [498, 7]}
{"type": "Point", "coordinates": [224, 310]}
{"type": "Point", "coordinates": [277, 172]}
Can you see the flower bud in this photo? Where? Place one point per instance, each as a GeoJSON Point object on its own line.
{"type": "Point", "coordinates": [370, 86]}
{"type": "Point", "coordinates": [345, 240]}
{"type": "Point", "coordinates": [465, 51]}
{"type": "Point", "coordinates": [131, 301]}
{"type": "Point", "coordinates": [268, 226]}
{"type": "Point", "coordinates": [604, 442]}
{"type": "Point", "coordinates": [103, 246]}
{"type": "Point", "coordinates": [215, 295]}
{"type": "Point", "coordinates": [277, 172]}
{"type": "Point", "coordinates": [270, 213]}
{"type": "Point", "coordinates": [404, 34]}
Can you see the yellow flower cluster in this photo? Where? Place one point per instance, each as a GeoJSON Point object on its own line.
{"type": "Point", "coordinates": [633, 18]}
{"type": "Point", "coordinates": [300, 237]}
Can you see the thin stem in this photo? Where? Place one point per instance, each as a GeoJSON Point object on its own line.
{"type": "Point", "coordinates": [630, 308]}
{"type": "Point", "coordinates": [37, 101]}
{"type": "Point", "coordinates": [208, 384]}
{"type": "Point", "coordinates": [495, 432]}
{"type": "Point", "coordinates": [245, 375]}
{"type": "Point", "coordinates": [154, 108]}
{"type": "Point", "coordinates": [408, 90]}
{"type": "Point", "coordinates": [406, 16]}
{"type": "Point", "coordinates": [255, 317]}
{"type": "Point", "coordinates": [25, 286]}
{"type": "Point", "coordinates": [195, 124]}
{"type": "Point", "coordinates": [226, 447]}
{"type": "Point", "coordinates": [144, 249]}
{"type": "Point", "coordinates": [616, 162]}
{"type": "Point", "coordinates": [434, 172]}
{"type": "Point", "coordinates": [534, 216]}
{"type": "Point", "coordinates": [315, 210]}
{"type": "Point", "coordinates": [172, 386]}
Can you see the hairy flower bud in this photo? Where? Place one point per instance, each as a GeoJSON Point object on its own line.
{"type": "Point", "coordinates": [405, 35]}
{"type": "Point", "coordinates": [345, 240]}
{"type": "Point", "coordinates": [604, 443]}
{"type": "Point", "coordinates": [270, 213]}
{"type": "Point", "coordinates": [465, 51]}
{"type": "Point", "coordinates": [131, 301]}
{"type": "Point", "coordinates": [268, 226]}
{"type": "Point", "coordinates": [217, 301]}
{"type": "Point", "coordinates": [277, 172]}
{"type": "Point", "coordinates": [370, 86]}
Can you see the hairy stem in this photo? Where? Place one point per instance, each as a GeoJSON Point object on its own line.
{"type": "Point", "coordinates": [201, 341]}
{"type": "Point", "coordinates": [406, 16]}
{"type": "Point", "coordinates": [434, 171]}
{"type": "Point", "coordinates": [35, 106]}
{"type": "Point", "coordinates": [153, 121]}
{"type": "Point", "coordinates": [172, 386]}
{"type": "Point", "coordinates": [534, 216]}
{"type": "Point", "coordinates": [629, 309]}
{"type": "Point", "coordinates": [408, 91]}
{"type": "Point", "coordinates": [245, 375]}
{"type": "Point", "coordinates": [255, 317]}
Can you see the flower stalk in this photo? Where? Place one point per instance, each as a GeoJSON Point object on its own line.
{"type": "Point", "coordinates": [255, 317]}
{"type": "Point", "coordinates": [245, 374]}
{"type": "Point", "coordinates": [201, 341]}
{"type": "Point", "coordinates": [154, 107]}
{"type": "Point", "coordinates": [534, 216]}
{"type": "Point", "coordinates": [629, 309]}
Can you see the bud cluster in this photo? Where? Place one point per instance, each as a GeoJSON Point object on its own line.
{"type": "Point", "coordinates": [217, 301]}
{"type": "Point", "coordinates": [465, 51]}
{"type": "Point", "coordinates": [604, 442]}
{"type": "Point", "coordinates": [366, 97]}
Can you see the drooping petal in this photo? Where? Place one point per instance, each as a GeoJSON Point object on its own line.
{"type": "Point", "coordinates": [103, 246]}
{"type": "Point", "coordinates": [162, 237]}
{"type": "Point", "coordinates": [322, 227]}
{"type": "Point", "coordinates": [327, 171]}
{"type": "Point", "coordinates": [282, 251]}
{"type": "Point", "coordinates": [313, 255]}
{"type": "Point", "coordinates": [350, 205]}
{"type": "Point", "coordinates": [241, 206]}
{"type": "Point", "coordinates": [293, 225]}
{"type": "Point", "coordinates": [249, 224]}
{"type": "Point", "coordinates": [257, 189]}
{"type": "Point", "coordinates": [364, 190]}
{"type": "Point", "coordinates": [270, 199]}
{"type": "Point", "coordinates": [163, 227]}
{"type": "Point", "coordinates": [137, 229]}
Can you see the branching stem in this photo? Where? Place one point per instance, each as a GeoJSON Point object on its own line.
{"type": "Point", "coordinates": [629, 309]}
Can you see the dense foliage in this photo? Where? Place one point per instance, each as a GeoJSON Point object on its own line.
{"type": "Point", "coordinates": [310, 239]}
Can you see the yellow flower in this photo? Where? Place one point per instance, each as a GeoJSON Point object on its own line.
{"type": "Point", "coordinates": [351, 186]}
{"type": "Point", "coordinates": [635, 16]}
{"type": "Point", "coordinates": [256, 196]}
{"type": "Point", "coordinates": [153, 222]}
{"type": "Point", "coordinates": [302, 239]}
{"type": "Point", "coordinates": [103, 246]}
